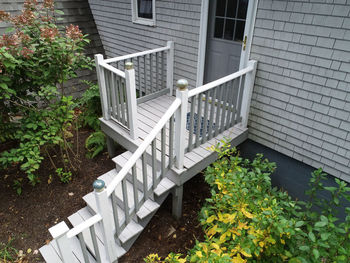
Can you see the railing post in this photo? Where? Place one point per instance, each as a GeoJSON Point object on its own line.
{"type": "Point", "coordinates": [59, 233]}
{"type": "Point", "coordinates": [180, 122]}
{"type": "Point", "coordinates": [170, 67]}
{"type": "Point", "coordinates": [107, 220]}
{"type": "Point", "coordinates": [102, 86]}
{"type": "Point", "coordinates": [131, 98]}
{"type": "Point", "coordinates": [247, 93]}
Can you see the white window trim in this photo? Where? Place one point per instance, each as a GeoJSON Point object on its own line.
{"type": "Point", "coordinates": [140, 20]}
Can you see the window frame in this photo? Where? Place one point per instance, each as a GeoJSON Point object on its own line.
{"type": "Point", "coordinates": [140, 20]}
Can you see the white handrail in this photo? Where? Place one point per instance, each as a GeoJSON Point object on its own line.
{"type": "Point", "coordinates": [218, 82]}
{"type": "Point", "coordinates": [113, 69]}
{"type": "Point", "coordinates": [84, 225]}
{"type": "Point", "coordinates": [138, 54]}
{"type": "Point", "coordinates": [143, 146]}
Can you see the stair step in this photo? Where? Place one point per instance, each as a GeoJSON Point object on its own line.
{"type": "Point", "coordinates": [121, 160]}
{"type": "Point", "coordinates": [132, 229]}
{"type": "Point", "coordinates": [51, 253]}
{"type": "Point", "coordinates": [81, 216]}
{"type": "Point", "coordinates": [147, 208]}
{"type": "Point", "coordinates": [91, 203]}
{"type": "Point", "coordinates": [164, 185]}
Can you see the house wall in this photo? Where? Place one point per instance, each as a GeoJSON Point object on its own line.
{"type": "Point", "coordinates": [76, 12]}
{"type": "Point", "coordinates": [301, 100]}
{"type": "Point", "coordinates": [175, 20]}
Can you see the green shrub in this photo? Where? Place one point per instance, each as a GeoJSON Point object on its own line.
{"type": "Point", "coordinates": [246, 220]}
{"type": "Point", "coordinates": [36, 58]}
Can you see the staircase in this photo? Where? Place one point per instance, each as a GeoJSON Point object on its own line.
{"type": "Point", "coordinates": [168, 140]}
{"type": "Point", "coordinates": [132, 229]}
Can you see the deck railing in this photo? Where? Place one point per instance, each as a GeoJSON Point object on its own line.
{"type": "Point", "coordinates": [127, 80]}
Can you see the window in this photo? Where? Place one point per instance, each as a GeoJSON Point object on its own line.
{"type": "Point", "coordinates": [230, 19]}
{"type": "Point", "coordinates": [143, 12]}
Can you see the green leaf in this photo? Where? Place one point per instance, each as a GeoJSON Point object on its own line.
{"type": "Point", "coordinates": [304, 248]}
{"type": "Point", "coordinates": [299, 223]}
{"type": "Point", "coordinates": [9, 30]}
{"type": "Point", "coordinates": [60, 12]}
{"type": "Point", "coordinates": [316, 253]}
{"type": "Point", "coordinates": [325, 236]}
{"type": "Point", "coordinates": [312, 237]}
{"type": "Point", "coordinates": [321, 224]}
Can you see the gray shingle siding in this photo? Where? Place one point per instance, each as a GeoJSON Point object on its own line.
{"type": "Point", "coordinates": [175, 20]}
{"type": "Point", "coordinates": [75, 12]}
{"type": "Point", "coordinates": [301, 100]}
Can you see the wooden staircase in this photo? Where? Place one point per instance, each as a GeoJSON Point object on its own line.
{"type": "Point", "coordinates": [167, 140]}
{"type": "Point", "coordinates": [131, 231]}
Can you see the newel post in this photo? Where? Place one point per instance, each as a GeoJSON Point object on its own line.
{"type": "Point", "coordinates": [108, 229]}
{"type": "Point", "coordinates": [131, 98]}
{"type": "Point", "coordinates": [102, 86]}
{"type": "Point", "coordinates": [247, 93]}
{"type": "Point", "coordinates": [59, 233]}
{"type": "Point", "coordinates": [180, 123]}
{"type": "Point", "coordinates": [170, 67]}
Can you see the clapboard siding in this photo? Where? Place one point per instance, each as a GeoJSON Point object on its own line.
{"type": "Point", "coordinates": [301, 100]}
{"type": "Point", "coordinates": [175, 20]}
{"type": "Point", "coordinates": [75, 12]}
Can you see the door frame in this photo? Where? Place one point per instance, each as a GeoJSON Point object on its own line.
{"type": "Point", "coordinates": [248, 33]}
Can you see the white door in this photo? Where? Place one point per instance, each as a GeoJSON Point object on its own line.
{"type": "Point", "coordinates": [226, 23]}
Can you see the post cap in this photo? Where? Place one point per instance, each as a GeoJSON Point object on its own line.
{"type": "Point", "coordinates": [129, 65]}
{"type": "Point", "coordinates": [182, 84]}
{"type": "Point", "coordinates": [99, 185]}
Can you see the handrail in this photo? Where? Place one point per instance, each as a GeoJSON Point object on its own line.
{"type": "Point", "coordinates": [138, 54]}
{"type": "Point", "coordinates": [113, 69]}
{"type": "Point", "coordinates": [84, 225]}
{"type": "Point", "coordinates": [218, 82]}
{"type": "Point", "coordinates": [143, 146]}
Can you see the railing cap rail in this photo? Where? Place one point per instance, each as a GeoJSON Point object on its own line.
{"type": "Point", "coordinates": [218, 82]}
{"type": "Point", "coordinates": [138, 54]}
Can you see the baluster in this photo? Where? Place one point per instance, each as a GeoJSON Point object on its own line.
{"type": "Point", "coordinates": [199, 118]}
{"type": "Point", "coordinates": [205, 119]}
{"type": "Point", "coordinates": [118, 85]}
{"type": "Point", "coordinates": [102, 86]}
{"type": "Point", "coordinates": [139, 77]}
{"type": "Point", "coordinates": [170, 66]}
{"type": "Point", "coordinates": [83, 248]}
{"type": "Point", "coordinates": [144, 73]}
{"type": "Point", "coordinates": [212, 110]}
{"type": "Point", "coordinates": [144, 177]}
{"type": "Point", "coordinates": [230, 104]}
{"type": "Point", "coordinates": [135, 190]}
{"type": "Point", "coordinates": [122, 101]}
{"type": "Point", "coordinates": [235, 102]}
{"type": "Point", "coordinates": [108, 90]}
{"type": "Point", "coordinates": [154, 166]}
{"type": "Point", "coordinates": [241, 89]}
{"type": "Point", "coordinates": [151, 72]}
{"type": "Point", "coordinates": [224, 107]}
{"type": "Point", "coordinates": [157, 77]}
{"type": "Point", "coordinates": [125, 201]}
{"type": "Point", "coordinates": [191, 128]}
{"type": "Point", "coordinates": [218, 108]}
{"type": "Point", "coordinates": [115, 213]}
{"type": "Point", "coordinates": [113, 95]}
{"type": "Point", "coordinates": [171, 141]}
{"type": "Point", "coordinates": [163, 71]}
{"type": "Point", "coordinates": [162, 146]}
{"type": "Point", "coordinates": [94, 242]}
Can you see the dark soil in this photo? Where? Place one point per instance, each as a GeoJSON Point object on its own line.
{"type": "Point", "coordinates": [26, 218]}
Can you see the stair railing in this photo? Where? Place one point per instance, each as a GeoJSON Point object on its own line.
{"type": "Point", "coordinates": [216, 107]}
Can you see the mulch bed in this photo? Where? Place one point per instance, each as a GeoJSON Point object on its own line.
{"type": "Point", "coordinates": [26, 218]}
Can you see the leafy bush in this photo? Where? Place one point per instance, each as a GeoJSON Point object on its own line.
{"type": "Point", "coordinates": [36, 58]}
{"type": "Point", "coordinates": [246, 220]}
{"type": "Point", "coordinates": [91, 111]}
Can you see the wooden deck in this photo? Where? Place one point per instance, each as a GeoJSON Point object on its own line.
{"type": "Point", "coordinates": [149, 113]}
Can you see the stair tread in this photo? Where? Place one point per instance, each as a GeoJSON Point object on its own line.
{"type": "Point", "coordinates": [81, 216]}
{"type": "Point", "coordinates": [91, 202]}
{"type": "Point", "coordinates": [49, 254]}
{"type": "Point", "coordinates": [147, 208]}
{"type": "Point", "coordinates": [164, 185]}
{"type": "Point", "coordinates": [131, 230]}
